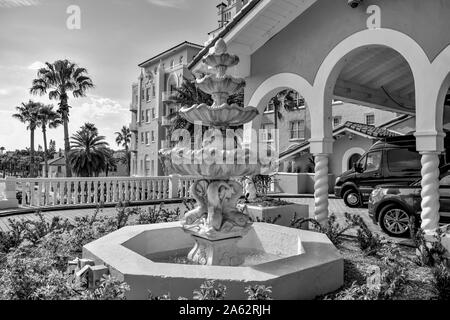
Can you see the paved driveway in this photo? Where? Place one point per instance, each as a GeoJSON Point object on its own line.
{"type": "Point", "coordinates": [336, 206]}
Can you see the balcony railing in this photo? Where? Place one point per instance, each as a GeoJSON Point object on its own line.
{"type": "Point", "coordinates": [166, 144]}
{"type": "Point", "coordinates": [133, 107]}
{"type": "Point", "coordinates": [133, 127]}
{"type": "Point", "coordinates": [168, 95]}
{"type": "Point", "coordinates": [166, 121]}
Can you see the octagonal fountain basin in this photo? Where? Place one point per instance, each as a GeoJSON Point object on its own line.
{"type": "Point", "coordinates": [297, 264]}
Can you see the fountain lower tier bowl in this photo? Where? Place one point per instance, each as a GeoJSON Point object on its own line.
{"type": "Point", "coordinates": [298, 264]}
{"type": "Point", "coordinates": [204, 163]}
{"type": "Point", "coordinates": [222, 116]}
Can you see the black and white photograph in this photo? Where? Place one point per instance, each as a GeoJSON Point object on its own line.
{"type": "Point", "coordinates": [241, 151]}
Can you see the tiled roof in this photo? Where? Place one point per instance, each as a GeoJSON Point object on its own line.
{"type": "Point", "coordinates": [366, 129]}
{"type": "Point", "coordinates": [362, 128]}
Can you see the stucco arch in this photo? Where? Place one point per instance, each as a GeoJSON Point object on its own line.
{"type": "Point", "coordinates": [350, 152]}
{"type": "Point", "coordinates": [271, 86]}
{"type": "Point", "coordinates": [335, 61]}
{"type": "Point", "coordinates": [173, 77]}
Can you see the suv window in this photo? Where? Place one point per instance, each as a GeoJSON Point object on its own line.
{"type": "Point", "coordinates": [401, 160]}
{"type": "Point", "coordinates": [373, 161]}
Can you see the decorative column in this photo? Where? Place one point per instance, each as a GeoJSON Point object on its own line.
{"type": "Point", "coordinates": [430, 191]}
{"type": "Point", "coordinates": [321, 149]}
{"type": "Point", "coordinates": [321, 187]}
{"type": "Point", "coordinates": [430, 144]}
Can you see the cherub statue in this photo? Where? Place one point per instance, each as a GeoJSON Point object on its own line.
{"type": "Point", "coordinates": [250, 190]}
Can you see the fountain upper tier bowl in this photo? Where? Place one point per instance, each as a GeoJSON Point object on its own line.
{"type": "Point", "coordinates": [221, 116]}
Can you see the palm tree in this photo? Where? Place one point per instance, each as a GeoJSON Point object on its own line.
{"type": "Point", "coordinates": [124, 139]}
{"type": "Point", "coordinates": [48, 118]}
{"type": "Point", "coordinates": [28, 114]}
{"type": "Point", "coordinates": [90, 127]}
{"type": "Point", "coordinates": [59, 78]}
{"type": "Point", "coordinates": [90, 154]}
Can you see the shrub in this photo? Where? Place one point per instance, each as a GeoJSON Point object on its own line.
{"type": "Point", "coordinates": [369, 242]}
{"type": "Point", "coordinates": [28, 275]}
{"type": "Point", "coordinates": [441, 281]}
{"type": "Point", "coordinates": [209, 291]}
{"type": "Point", "coordinates": [332, 228]}
{"type": "Point", "coordinates": [258, 292]}
{"type": "Point", "coordinates": [157, 214]}
{"type": "Point", "coordinates": [109, 289]}
{"type": "Point", "coordinates": [429, 253]}
{"type": "Point", "coordinates": [34, 230]}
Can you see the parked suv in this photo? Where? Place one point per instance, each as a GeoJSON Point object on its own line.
{"type": "Point", "coordinates": [390, 161]}
{"type": "Point", "coordinates": [391, 206]}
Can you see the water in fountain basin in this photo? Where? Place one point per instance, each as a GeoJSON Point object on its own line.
{"type": "Point", "coordinates": [252, 257]}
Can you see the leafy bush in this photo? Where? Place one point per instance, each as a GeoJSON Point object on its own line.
{"type": "Point", "coordinates": [109, 289]}
{"type": "Point", "coordinates": [209, 291]}
{"type": "Point", "coordinates": [332, 228]}
{"type": "Point", "coordinates": [258, 292]}
{"type": "Point", "coordinates": [429, 253]}
{"type": "Point", "coordinates": [441, 281]}
{"type": "Point", "coordinates": [157, 214]}
{"type": "Point", "coordinates": [369, 242]}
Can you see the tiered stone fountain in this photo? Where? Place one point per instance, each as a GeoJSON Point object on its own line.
{"type": "Point", "coordinates": [216, 224]}
{"type": "Point", "coordinates": [215, 241]}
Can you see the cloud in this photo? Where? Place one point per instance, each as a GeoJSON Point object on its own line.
{"type": "Point", "coordinates": [35, 65]}
{"type": "Point", "coordinates": [99, 107]}
{"type": "Point", "coordinates": [18, 3]}
{"type": "Point", "coordinates": [168, 3]}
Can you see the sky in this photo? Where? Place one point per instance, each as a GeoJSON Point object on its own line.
{"type": "Point", "coordinates": [114, 37]}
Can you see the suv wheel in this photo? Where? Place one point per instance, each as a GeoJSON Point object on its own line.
{"type": "Point", "coordinates": [394, 220]}
{"type": "Point", "coordinates": [352, 198]}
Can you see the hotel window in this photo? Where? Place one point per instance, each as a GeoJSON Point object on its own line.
{"type": "Point", "coordinates": [142, 137]}
{"type": "Point", "coordinates": [337, 121]}
{"type": "Point", "coordinates": [181, 60]}
{"type": "Point", "coordinates": [153, 168]}
{"type": "Point", "coordinates": [298, 99]}
{"type": "Point", "coordinates": [142, 115]}
{"type": "Point", "coordinates": [153, 113]}
{"type": "Point", "coordinates": [370, 119]}
{"type": "Point", "coordinates": [153, 91]}
{"type": "Point", "coordinates": [267, 133]}
{"type": "Point", "coordinates": [147, 166]}
{"type": "Point", "coordinates": [147, 115]}
{"type": "Point", "coordinates": [270, 107]}
{"type": "Point", "coordinates": [147, 93]}
{"type": "Point", "coordinates": [142, 94]}
{"type": "Point", "coordinates": [297, 130]}
{"type": "Point", "coordinates": [153, 136]}
{"type": "Point", "coordinates": [147, 135]}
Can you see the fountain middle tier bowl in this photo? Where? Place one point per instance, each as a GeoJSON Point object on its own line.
{"type": "Point", "coordinates": [228, 84]}
{"type": "Point", "coordinates": [224, 116]}
{"type": "Point", "coordinates": [204, 163]}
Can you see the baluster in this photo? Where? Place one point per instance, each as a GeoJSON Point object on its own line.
{"type": "Point", "coordinates": [76, 185]}
{"type": "Point", "coordinates": [69, 192]}
{"type": "Point", "coordinates": [114, 195]}
{"type": "Point", "coordinates": [83, 187]}
{"type": "Point", "coordinates": [139, 190]}
{"type": "Point", "coordinates": [46, 193]}
{"type": "Point", "coordinates": [96, 196]}
{"type": "Point", "coordinates": [102, 192]}
{"type": "Point", "coordinates": [166, 189]}
{"type": "Point", "coordinates": [108, 191]}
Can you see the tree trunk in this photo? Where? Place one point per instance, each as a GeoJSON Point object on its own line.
{"type": "Point", "coordinates": [32, 168]}
{"type": "Point", "coordinates": [128, 160]}
{"type": "Point", "coordinates": [65, 117]}
{"type": "Point", "coordinates": [44, 133]}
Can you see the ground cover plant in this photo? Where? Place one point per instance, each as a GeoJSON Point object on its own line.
{"type": "Point", "coordinates": [34, 255]}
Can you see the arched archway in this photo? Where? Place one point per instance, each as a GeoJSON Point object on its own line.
{"type": "Point", "coordinates": [172, 82]}
{"type": "Point", "coordinates": [346, 158]}
{"type": "Point", "coordinates": [348, 49]}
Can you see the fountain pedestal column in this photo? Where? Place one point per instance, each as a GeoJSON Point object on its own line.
{"type": "Point", "coordinates": [223, 252]}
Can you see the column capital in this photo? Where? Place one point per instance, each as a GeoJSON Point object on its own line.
{"type": "Point", "coordinates": [321, 146]}
{"type": "Point", "coordinates": [430, 141]}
